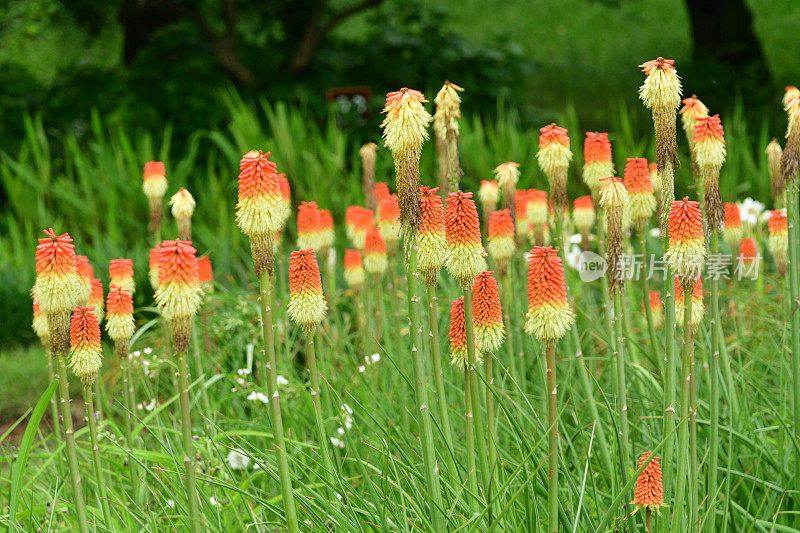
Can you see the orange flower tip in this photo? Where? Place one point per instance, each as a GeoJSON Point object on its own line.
{"type": "Point", "coordinates": [501, 244]}
{"type": "Point", "coordinates": [649, 492]}
{"type": "Point", "coordinates": [661, 90]}
{"type": "Point", "coordinates": [406, 121]}
{"type": "Point", "coordinates": [686, 251]}
{"type": "Point", "coordinates": [431, 239]}
{"type": "Point", "coordinates": [285, 187]}
{"type": "Point", "coordinates": [154, 180]}
{"type": "Point", "coordinates": [465, 253]}
{"type": "Point", "coordinates": [698, 307]}
{"type": "Point", "coordinates": [375, 261]}
{"type": "Point", "coordinates": [59, 287]}
{"type": "Point", "coordinates": [85, 355]}
{"type": "Point", "coordinates": [121, 273]}
{"type": "Point", "coordinates": [709, 143]}
{"type": "Point", "coordinates": [458, 335]}
{"type": "Point", "coordinates": [261, 209]}
{"type": "Point", "coordinates": [178, 294]}
{"type": "Point", "coordinates": [748, 251]}
{"type": "Point", "coordinates": [554, 153]}
{"type": "Point", "coordinates": [549, 315]}
{"type": "Point", "coordinates": [381, 190]}
{"type": "Point", "coordinates": [306, 301]}
{"type": "Point", "coordinates": [487, 314]}
{"type": "Point", "coordinates": [204, 269]}
{"type": "Point", "coordinates": [353, 268]}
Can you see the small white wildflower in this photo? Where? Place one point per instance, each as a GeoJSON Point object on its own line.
{"type": "Point", "coordinates": [148, 351]}
{"type": "Point", "coordinates": [347, 408]}
{"type": "Point", "coordinates": [340, 432]}
{"type": "Point", "coordinates": [171, 504]}
{"type": "Point", "coordinates": [337, 442]}
{"type": "Point", "coordinates": [375, 357]}
{"type": "Point", "coordinates": [575, 238]}
{"type": "Point", "coordinates": [281, 380]}
{"type": "Point", "coordinates": [655, 233]}
{"type": "Point", "coordinates": [237, 460]}
{"type": "Point", "coordinates": [243, 371]}
{"type": "Point", "coordinates": [137, 353]}
{"type": "Point", "coordinates": [362, 369]}
{"type": "Point", "coordinates": [240, 381]}
{"type": "Point", "coordinates": [338, 496]}
{"type": "Point", "coordinates": [213, 501]}
{"type": "Point", "coordinates": [258, 396]}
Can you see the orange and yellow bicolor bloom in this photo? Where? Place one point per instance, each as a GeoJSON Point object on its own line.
{"type": "Point", "coordinates": [554, 153]}
{"type": "Point", "coordinates": [597, 163]}
{"type": "Point", "coordinates": [59, 287]}
{"type": "Point", "coordinates": [205, 273]}
{"type": "Point", "coordinates": [327, 233]}
{"type": "Point", "coordinates": [431, 238]}
{"type": "Point", "coordinates": [748, 252]}
{"type": "Point", "coordinates": [521, 199]}
{"type": "Point", "coordinates": [121, 273]}
{"type": "Point", "coordinates": [487, 314]}
{"type": "Point", "coordinates": [85, 354]}
{"type": "Point", "coordinates": [661, 90]}
{"type": "Point", "coordinates": [778, 238]}
{"type": "Point", "coordinates": [152, 267]}
{"type": "Point", "coordinates": [97, 299]}
{"type": "Point", "coordinates": [507, 177]}
{"type": "Point", "coordinates": [549, 315]}
{"type": "Point", "coordinates": [375, 261]}
{"type": "Point", "coordinates": [536, 208]}
{"type": "Point", "coordinates": [86, 272]}
{"type": "Point", "coordinates": [389, 221]}
{"type": "Point", "coordinates": [154, 180]}
{"type": "Point", "coordinates": [306, 301]}
{"type": "Point", "coordinates": [119, 310]}
{"type": "Point", "coordinates": [183, 205]}
{"type": "Point", "coordinates": [732, 229]}
{"type": "Point", "coordinates": [357, 221]}
{"type": "Point", "coordinates": [353, 269]}
{"type": "Point", "coordinates": [458, 336]}
{"type": "Point", "coordinates": [285, 188]}
{"type": "Point", "coordinates": [261, 209]}
{"type": "Point", "coordinates": [649, 492]}
{"type": "Point", "coordinates": [656, 309]}
{"type": "Point", "coordinates": [686, 251]}
{"type": "Point", "coordinates": [501, 245]}
{"type": "Point", "coordinates": [642, 203]}
{"type": "Point", "coordinates": [179, 293]}
{"type": "Point", "coordinates": [698, 307]}
{"type": "Point", "coordinates": [692, 109]}
{"type": "Point", "coordinates": [583, 214]}
{"type": "Point", "coordinates": [489, 195]}
{"type": "Point", "coordinates": [791, 104]}
{"type": "Point", "coordinates": [406, 121]}
{"type": "Point", "coordinates": [465, 253]}
{"type": "Point", "coordinates": [308, 226]}
{"type": "Point", "coordinates": [709, 143]}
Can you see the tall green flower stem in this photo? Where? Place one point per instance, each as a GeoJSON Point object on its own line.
{"type": "Point", "coordinates": [69, 437]}
{"type": "Point", "coordinates": [129, 401]}
{"type": "Point", "coordinates": [421, 386]}
{"type": "Point", "coordinates": [794, 290]}
{"type": "Point", "coordinates": [54, 400]}
{"type": "Point", "coordinates": [270, 371]}
{"type": "Point", "coordinates": [552, 439]}
{"type": "Point", "coordinates": [324, 443]}
{"type": "Point", "coordinates": [716, 340]}
{"type": "Point", "coordinates": [330, 267]}
{"type": "Point", "coordinates": [622, 390]}
{"type": "Point", "coordinates": [491, 437]}
{"type": "Point", "coordinates": [98, 470]}
{"type": "Point", "coordinates": [669, 388]}
{"type": "Point", "coordinates": [477, 414]}
{"type": "Point", "coordinates": [198, 364]}
{"type": "Point", "coordinates": [684, 453]}
{"type": "Point", "coordinates": [441, 397]}
{"type": "Point", "coordinates": [648, 312]}
{"type": "Point", "coordinates": [376, 280]}
{"type": "Point", "coordinates": [472, 478]}
{"type": "Point", "coordinates": [188, 445]}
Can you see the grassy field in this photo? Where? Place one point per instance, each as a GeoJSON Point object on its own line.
{"type": "Point", "coordinates": [370, 417]}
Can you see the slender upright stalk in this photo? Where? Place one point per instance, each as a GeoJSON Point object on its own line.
{"type": "Point", "coordinates": [69, 436]}
{"type": "Point", "coordinates": [198, 364]}
{"type": "Point", "coordinates": [376, 279]}
{"type": "Point", "coordinates": [54, 400]}
{"type": "Point", "coordinates": [421, 387]}
{"type": "Point", "coordinates": [651, 330]}
{"type": "Point", "coordinates": [552, 439]}
{"type": "Point", "coordinates": [622, 390]}
{"type": "Point", "coordinates": [324, 443]}
{"type": "Point", "coordinates": [491, 437]}
{"type": "Point", "coordinates": [472, 477]}
{"type": "Point", "coordinates": [694, 472]}
{"type": "Point", "coordinates": [441, 397]}
{"type": "Point", "coordinates": [794, 291]}
{"type": "Point", "coordinates": [188, 445]}
{"type": "Point", "coordinates": [477, 414]}
{"type": "Point", "coordinates": [98, 470]}
{"type": "Point", "coordinates": [683, 430]}
{"type": "Point", "coordinates": [669, 388]}
{"type": "Point", "coordinates": [648, 521]}
{"type": "Point", "coordinates": [714, 378]}
{"type": "Point", "coordinates": [270, 370]}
